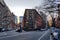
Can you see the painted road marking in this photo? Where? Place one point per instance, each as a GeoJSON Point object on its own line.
{"type": "Point", "coordinates": [43, 35]}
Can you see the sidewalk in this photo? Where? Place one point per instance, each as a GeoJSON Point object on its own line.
{"type": "Point", "coordinates": [51, 37]}
{"type": "Point", "coordinates": [45, 36]}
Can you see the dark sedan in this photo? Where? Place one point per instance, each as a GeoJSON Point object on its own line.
{"type": "Point", "coordinates": [2, 29]}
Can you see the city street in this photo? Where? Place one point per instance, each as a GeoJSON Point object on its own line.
{"type": "Point", "coordinates": [29, 20]}
{"type": "Point", "coordinates": [32, 35]}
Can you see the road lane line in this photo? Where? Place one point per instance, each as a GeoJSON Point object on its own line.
{"type": "Point", "coordinates": [43, 35]}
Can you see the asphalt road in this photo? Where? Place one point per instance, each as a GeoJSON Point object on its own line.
{"type": "Point", "coordinates": [32, 35]}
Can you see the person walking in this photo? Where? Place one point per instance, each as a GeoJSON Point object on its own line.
{"type": "Point", "coordinates": [20, 27]}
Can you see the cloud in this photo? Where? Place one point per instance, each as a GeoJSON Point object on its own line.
{"type": "Point", "coordinates": [18, 6]}
{"type": "Point", "coordinates": [18, 11]}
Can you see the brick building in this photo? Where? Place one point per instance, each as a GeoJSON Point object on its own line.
{"type": "Point", "coordinates": [13, 21]}
{"type": "Point", "coordinates": [6, 17]}
{"type": "Point", "coordinates": [32, 20]}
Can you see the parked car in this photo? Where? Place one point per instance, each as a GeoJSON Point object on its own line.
{"type": "Point", "coordinates": [18, 30]}
{"type": "Point", "coordinates": [9, 29]}
{"type": "Point", "coordinates": [56, 33]}
{"type": "Point", "coordinates": [44, 29]}
{"type": "Point", "coordinates": [2, 29]}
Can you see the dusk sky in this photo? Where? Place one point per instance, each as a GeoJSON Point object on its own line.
{"type": "Point", "coordinates": [18, 6]}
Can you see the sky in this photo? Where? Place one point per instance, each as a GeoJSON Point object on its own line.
{"type": "Point", "coordinates": [18, 6]}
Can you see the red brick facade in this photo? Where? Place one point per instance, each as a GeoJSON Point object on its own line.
{"type": "Point", "coordinates": [32, 20]}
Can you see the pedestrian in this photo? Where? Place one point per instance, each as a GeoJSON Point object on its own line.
{"type": "Point", "coordinates": [20, 27]}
